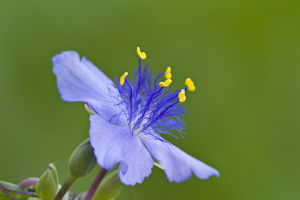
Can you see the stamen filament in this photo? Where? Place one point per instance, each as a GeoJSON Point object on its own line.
{"type": "Point", "coordinates": [131, 99]}
{"type": "Point", "coordinates": [156, 79]}
{"type": "Point", "coordinates": [146, 107]}
{"type": "Point", "coordinates": [160, 115]}
{"type": "Point", "coordinates": [147, 102]}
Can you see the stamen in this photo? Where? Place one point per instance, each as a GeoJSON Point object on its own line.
{"type": "Point", "coordinates": [182, 96]}
{"type": "Point", "coordinates": [122, 79]}
{"type": "Point", "coordinates": [168, 74]}
{"type": "Point", "coordinates": [166, 83]}
{"type": "Point", "coordinates": [142, 55]}
{"type": "Point", "coordinates": [160, 114]}
{"type": "Point", "coordinates": [190, 85]}
{"type": "Point", "coordinates": [148, 102]}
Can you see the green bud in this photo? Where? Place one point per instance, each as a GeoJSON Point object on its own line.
{"type": "Point", "coordinates": [109, 188]}
{"type": "Point", "coordinates": [47, 185]}
{"type": "Point", "coordinates": [82, 160]}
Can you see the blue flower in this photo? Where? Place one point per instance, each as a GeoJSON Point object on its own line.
{"type": "Point", "coordinates": [129, 117]}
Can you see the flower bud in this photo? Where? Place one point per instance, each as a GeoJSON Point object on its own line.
{"type": "Point", "coordinates": [109, 188]}
{"type": "Point", "coordinates": [28, 182]}
{"type": "Point", "coordinates": [47, 185]}
{"type": "Point", "coordinates": [82, 160]}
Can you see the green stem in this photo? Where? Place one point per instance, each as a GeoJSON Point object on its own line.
{"type": "Point", "coordinates": [66, 186]}
{"type": "Point", "coordinates": [95, 184]}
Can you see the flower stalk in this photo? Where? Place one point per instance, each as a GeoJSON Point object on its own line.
{"type": "Point", "coordinates": [110, 187]}
{"type": "Point", "coordinates": [66, 186]}
{"type": "Point", "coordinates": [95, 184]}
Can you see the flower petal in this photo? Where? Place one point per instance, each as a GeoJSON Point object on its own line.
{"type": "Point", "coordinates": [115, 144]}
{"type": "Point", "coordinates": [79, 80]}
{"type": "Point", "coordinates": [178, 165]}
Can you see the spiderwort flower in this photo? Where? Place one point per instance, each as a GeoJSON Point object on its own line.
{"type": "Point", "coordinates": [128, 117]}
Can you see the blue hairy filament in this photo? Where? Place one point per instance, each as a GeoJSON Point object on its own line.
{"type": "Point", "coordinates": [147, 106]}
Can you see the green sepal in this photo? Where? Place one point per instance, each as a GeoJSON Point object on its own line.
{"type": "Point", "coordinates": [109, 188]}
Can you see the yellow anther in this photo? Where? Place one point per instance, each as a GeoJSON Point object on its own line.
{"type": "Point", "coordinates": [138, 50]}
{"type": "Point", "coordinates": [122, 79]}
{"type": "Point", "coordinates": [168, 70]}
{"type": "Point", "coordinates": [168, 74]}
{"type": "Point", "coordinates": [181, 100]}
{"type": "Point", "coordinates": [188, 81]}
{"type": "Point", "coordinates": [191, 88]}
{"type": "Point", "coordinates": [166, 83]}
{"type": "Point", "coordinates": [190, 84]}
{"type": "Point", "coordinates": [182, 96]}
{"type": "Point", "coordinates": [142, 55]}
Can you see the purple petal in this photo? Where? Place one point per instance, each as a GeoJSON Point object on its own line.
{"type": "Point", "coordinates": [178, 165]}
{"type": "Point", "coordinates": [80, 80]}
{"type": "Point", "coordinates": [116, 144]}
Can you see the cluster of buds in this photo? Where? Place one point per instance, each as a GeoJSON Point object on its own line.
{"type": "Point", "coordinates": [47, 187]}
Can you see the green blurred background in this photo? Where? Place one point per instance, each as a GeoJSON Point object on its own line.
{"type": "Point", "coordinates": [243, 117]}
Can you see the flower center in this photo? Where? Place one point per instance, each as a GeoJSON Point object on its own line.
{"type": "Point", "coordinates": [149, 105]}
